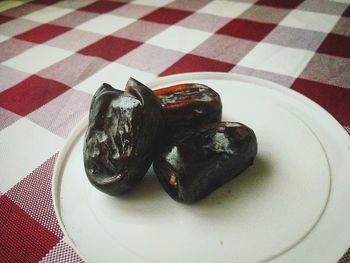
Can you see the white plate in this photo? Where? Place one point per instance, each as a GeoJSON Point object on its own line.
{"type": "Point", "coordinates": [291, 206]}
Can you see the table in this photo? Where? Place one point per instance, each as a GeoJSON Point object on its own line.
{"type": "Point", "coordinates": [50, 50]}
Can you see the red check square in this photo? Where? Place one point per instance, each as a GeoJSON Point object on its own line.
{"type": "Point", "coordinates": [101, 7]}
{"type": "Point", "coordinates": [326, 95]}
{"type": "Point", "coordinates": [22, 239]}
{"type": "Point", "coordinates": [166, 16]}
{"type": "Point", "coordinates": [290, 4]}
{"type": "Point", "coordinates": [46, 2]}
{"type": "Point", "coordinates": [4, 19]}
{"type": "Point", "coordinates": [246, 29]}
{"type": "Point", "coordinates": [347, 12]}
{"type": "Point", "coordinates": [110, 48]}
{"type": "Point", "coordinates": [34, 191]}
{"type": "Point", "coordinates": [30, 94]}
{"type": "Point", "coordinates": [42, 33]}
{"type": "Point", "coordinates": [336, 45]}
{"type": "Point", "coordinates": [193, 63]}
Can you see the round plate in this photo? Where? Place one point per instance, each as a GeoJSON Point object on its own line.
{"type": "Point", "coordinates": [290, 206]}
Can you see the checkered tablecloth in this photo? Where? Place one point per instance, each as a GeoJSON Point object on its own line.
{"type": "Point", "coordinates": [51, 50]}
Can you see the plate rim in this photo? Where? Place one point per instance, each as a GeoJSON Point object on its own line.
{"type": "Point", "coordinates": [79, 128]}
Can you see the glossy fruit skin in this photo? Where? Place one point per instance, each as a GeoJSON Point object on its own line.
{"type": "Point", "coordinates": [189, 105]}
{"type": "Point", "coordinates": [121, 138]}
{"type": "Point", "coordinates": [198, 161]}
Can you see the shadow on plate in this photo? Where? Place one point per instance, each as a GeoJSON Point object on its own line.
{"type": "Point", "coordinates": [150, 197]}
{"type": "Point", "coordinates": [246, 187]}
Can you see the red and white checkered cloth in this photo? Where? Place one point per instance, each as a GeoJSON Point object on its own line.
{"type": "Point", "coordinates": [50, 50]}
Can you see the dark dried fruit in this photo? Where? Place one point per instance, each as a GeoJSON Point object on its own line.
{"type": "Point", "coordinates": [189, 105]}
{"type": "Point", "coordinates": [198, 161]}
{"type": "Point", "coordinates": [121, 137]}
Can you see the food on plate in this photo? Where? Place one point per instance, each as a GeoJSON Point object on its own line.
{"type": "Point", "coordinates": [189, 105]}
{"type": "Point", "coordinates": [178, 128]}
{"type": "Point", "coordinates": [122, 135]}
{"type": "Point", "coordinates": [198, 161]}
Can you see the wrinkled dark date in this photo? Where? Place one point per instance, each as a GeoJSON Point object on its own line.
{"type": "Point", "coordinates": [189, 105]}
{"type": "Point", "coordinates": [121, 137]}
{"type": "Point", "coordinates": [198, 161]}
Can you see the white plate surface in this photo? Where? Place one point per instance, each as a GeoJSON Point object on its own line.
{"type": "Point", "coordinates": [292, 205]}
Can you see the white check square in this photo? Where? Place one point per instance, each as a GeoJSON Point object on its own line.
{"type": "Point", "coordinates": [342, 1]}
{"type": "Point", "coordinates": [37, 58]}
{"type": "Point", "coordinates": [179, 38]}
{"type": "Point", "coordinates": [157, 3]}
{"type": "Point", "coordinates": [277, 59]}
{"type": "Point", "coordinates": [47, 14]}
{"type": "Point", "coordinates": [105, 24]}
{"type": "Point", "coordinates": [310, 21]}
{"type": "Point", "coordinates": [3, 38]}
{"type": "Point", "coordinates": [75, 4]}
{"type": "Point", "coordinates": [5, 5]}
{"type": "Point", "coordinates": [114, 74]}
{"type": "Point", "coordinates": [32, 147]}
{"type": "Point", "coordinates": [225, 8]}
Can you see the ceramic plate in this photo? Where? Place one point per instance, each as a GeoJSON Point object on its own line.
{"type": "Point", "coordinates": [292, 205]}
